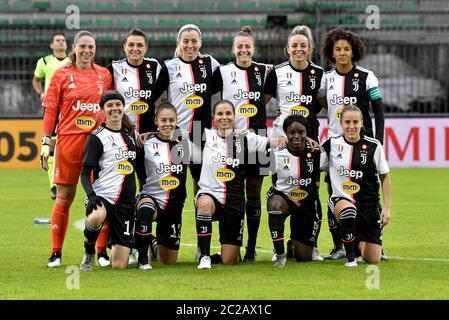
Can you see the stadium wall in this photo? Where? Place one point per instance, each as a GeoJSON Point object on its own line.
{"type": "Point", "coordinates": [409, 142]}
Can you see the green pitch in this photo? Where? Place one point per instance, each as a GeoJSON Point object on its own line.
{"type": "Point", "coordinates": [417, 242]}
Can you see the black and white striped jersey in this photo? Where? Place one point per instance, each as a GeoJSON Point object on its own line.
{"type": "Point", "coordinates": [296, 176]}
{"type": "Point", "coordinates": [354, 168]}
{"type": "Point", "coordinates": [137, 84]}
{"type": "Point", "coordinates": [163, 166]}
{"type": "Point", "coordinates": [358, 87]}
{"type": "Point", "coordinates": [112, 154]}
{"type": "Point", "coordinates": [189, 89]}
{"type": "Point", "coordinates": [225, 161]}
{"type": "Point", "coordinates": [296, 92]}
{"type": "Point", "coordinates": [244, 88]}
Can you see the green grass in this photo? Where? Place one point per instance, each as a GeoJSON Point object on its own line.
{"type": "Point", "coordinates": [417, 242]}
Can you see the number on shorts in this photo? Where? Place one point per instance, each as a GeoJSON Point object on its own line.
{"type": "Point", "coordinates": [126, 233]}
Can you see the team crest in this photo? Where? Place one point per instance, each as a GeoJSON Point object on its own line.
{"type": "Point", "coordinates": [312, 80]}
{"type": "Point", "coordinates": [203, 70]}
{"type": "Point", "coordinates": [238, 146]}
{"type": "Point", "coordinates": [180, 151]}
{"type": "Point", "coordinates": [363, 155]}
{"type": "Point", "coordinates": [355, 85]}
{"type": "Point", "coordinates": [259, 79]}
{"type": "Point", "coordinates": [150, 77]}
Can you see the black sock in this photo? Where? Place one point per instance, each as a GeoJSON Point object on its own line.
{"type": "Point", "coordinates": [334, 229]}
{"type": "Point", "coordinates": [204, 232]}
{"type": "Point", "coordinates": [276, 224]}
{"type": "Point", "coordinates": [142, 241]}
{"type": "Point", "coordinates": [347, 229]}
{"type": "Point", "coordinates": [253, 210]}
{"type": "Point", "coordinates": [90, 237]}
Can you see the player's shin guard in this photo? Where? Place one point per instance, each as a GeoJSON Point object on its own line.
{"type": "Point", "coordinates": [347, 228]}
{"type": "Point", "coordinates": [59, 222]}
{"type": "Point", "coordinates": [204, 232]}
{"type": "Point", "coordinates": [90, 237]}
{"type": "Point", "coordinates": [142, 235]}
{"type": "Point", "coordinates": [253, 210]}
{"type": "Point", "coordinates": [276, 224]}
{"type": "Point", "coordinates": [334, 229]}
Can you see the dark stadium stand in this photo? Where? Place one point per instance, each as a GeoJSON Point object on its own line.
{"type": "Point", "coordinates": [25, 28]}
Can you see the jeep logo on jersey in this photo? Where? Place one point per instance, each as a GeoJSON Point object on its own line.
{"type": "Point", "coordinates": [135, 93]}
{"type": "Point", "coordinates": [167, 168]}
{"type": "Point", "coordinates": [193, 102]}
{"type": "Point", "coordinates": [335, 99]}
{"type": "Point", "coordinates": [85, 122]}
{"type": "Point", "coordinates": [219, 158]}
{"type": "Point", "coordinates": [350, 187]}
{"type": "Point", "coordinates": [124, 167]}
{"type": "Point", "coordinates": [245, 95]}
{"type": "Point", "coordinates": [350, 173]}
{"type": "Point", "coordinates": [138, 107]}
{"type": "Point", "coordinates": [247, 110]}
{"type": "Point", "coordinates": [302, 111]}
{"type": "Point", "coordinates": [298, 182]}
{"type": "Point", "coordinates": [125, 154]}
{"type": "Point", "coordinates": [81, 106]}
{"type": "Point", "coordinates": [298, 194]}
{"type": "Point", "coordinates": [224, 175]}
{"type": "Point", "coordinates": [306, 99]}
{"type": "Point", "coordinates": [169, 183]}
{"type": "Point", "coordinates": [190, 88]}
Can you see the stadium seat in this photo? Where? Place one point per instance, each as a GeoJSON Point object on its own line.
{"type": "Point", "coordinates": [86, 23]}
{"type": "Point", "coordinates": [104, 6]}
{"type": "Point", "coordinates": [228, 23]}
{"type": "Point", "coordinates": [84, 6]}
{"type": "Point", "coordinates": [268, 6]}
{"type": "Point", "coordinates": [328, 6]}
{"type": "Point", "coordinates": [206, 23]}
{"type": "Point", "coordinates": [288, 5]}
{"type": "Point", "coordinates": [209, 40]}
{"type": "Point", "coordinates": [20, 38]}
{"type": "Point", "coordinates": [20, 22]}
{"type": "Point", "coordinates": [330, 21]}
{"type": "Point", "coordinates": [60, 6]}
{"type": "Point", "coordinates": [145, 6]}
{"type": "Point", "coordinates": [125, 23]}
{"type": "Point", "coordinates": [4, 6]}
{"type": "Point", "coordinates": [167, 23]}
{"type": "Point", "coordinates": [186, 6]}
{"type": "Point", "coordinates": [146, 23]}
{"type": "Point", "coordinates": [124, 6]}
{"type": "Point", "coordinates": [226, 6]}
{"type": "Point", "coordinates": [104, 23]}
{"type": "Point", "coordinates": [307, 6]}
{"type": "Point", "coordinates": [409, 6]}
{"type": "Point", "coordinates": [247, 6]}
{"type": "Point", "coordinates": [20, 6]}
{"type": "Point", "coordinates": [411, 22]}
{"type": "Point", "coordinates": [388, 6]}
{"type": "Point", "coordinates": [206, 6]}
{"type": "Point", "coordinates": [42, 37]}
{"type": "Point", "coordinates": [4, 23]}
{"type": "Point", "coordinates": [45, 23]}
{"type": "Point", "coordinates": [182, 22]}
{"type": "Point", "coordinates": [350, 19]}
{"type": "Point", "coordinates": [249, 22]}
{"type": "Point", "coordinates": [59, 23]}
{"type": "Point", "coordinates": [41, 5]}
{"type": "Point", "coordinates": [347, 6]}
{"type": "Point", "coordinates": [165, 6]}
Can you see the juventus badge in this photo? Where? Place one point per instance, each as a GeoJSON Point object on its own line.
{"type": "Point", "coordinates": [312, 82]}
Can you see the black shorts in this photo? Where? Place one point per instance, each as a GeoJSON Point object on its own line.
{"type": "Point", "coordinates": [230, 219]}
{"type": "Point", "coordinates": [169, 223]}
{"type": "Point", "coordinates": [259, 165]}
{"type": "Point", "coordinates": [369, 224]}
{"type": "Point", "coordinates": [304, 220]}
{"type": "Point", "coordinates": [121, 222]}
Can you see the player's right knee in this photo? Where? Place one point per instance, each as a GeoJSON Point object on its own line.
{"type": "Point", "coordinates": [145, 213]}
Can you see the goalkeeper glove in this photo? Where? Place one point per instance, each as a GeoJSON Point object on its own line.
{"type": "Point", "coordinates": [45, 152]}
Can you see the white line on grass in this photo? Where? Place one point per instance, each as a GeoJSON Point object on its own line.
{"type": "Point", "coordinates": [80, 226]}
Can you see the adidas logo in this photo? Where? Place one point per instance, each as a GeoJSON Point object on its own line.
{"type": "Point", "coordinates": [289, 83]}
{"type": "Point", "coordinates": [72, 86]}
{"type": "Point", "coordinates": [157, 154]}
{"type": "Point", "coordinates": [332, 87]}
{"type": "Point", "coordinates": [286, 167]}
{"type": "Point", "coordinates": [124, 79]}
{"type": "Point", "coordinates": [233, 81]}
{"type": "Point", "coordinates": [179, 75]}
